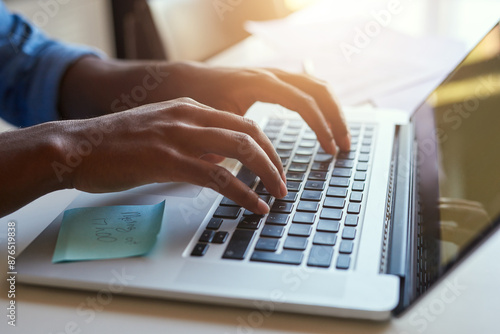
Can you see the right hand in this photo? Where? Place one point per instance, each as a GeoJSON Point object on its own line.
{"type": "Point", "coordinates": [173, 141]}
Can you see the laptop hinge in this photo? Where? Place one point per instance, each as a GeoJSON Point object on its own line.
{"type": "Point", "coordinates": [400, 213]}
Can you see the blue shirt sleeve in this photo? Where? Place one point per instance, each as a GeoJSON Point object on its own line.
{"type": "Point", "coordinates": [31, 69]}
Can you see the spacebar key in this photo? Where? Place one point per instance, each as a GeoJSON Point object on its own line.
{"type": "Point", "coordinates": [286, 257]}
{"type": "Point", "coordinates": [237, 246]}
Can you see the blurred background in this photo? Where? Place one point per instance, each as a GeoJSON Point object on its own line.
{"type": "Point", "coordinates": [127, 28]}
{"type": "Point", "coordinates": [388, 53]}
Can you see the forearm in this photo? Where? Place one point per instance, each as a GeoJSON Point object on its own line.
{"type": "Point", "coordinates": [95, 87]}
{"type": "Point", "coordinates": [26, 166]}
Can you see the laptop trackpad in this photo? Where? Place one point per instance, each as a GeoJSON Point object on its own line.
{"type": "Point", "coordinates": [175, 189]}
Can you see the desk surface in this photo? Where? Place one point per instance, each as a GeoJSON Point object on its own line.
{"type": "Point", "coordinates": [465, 302]}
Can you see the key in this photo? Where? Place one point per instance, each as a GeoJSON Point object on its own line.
{"type": "Point", "coordinates": [315, 185]}
{"type": "Point", "coordinates": [360, 176]}
{"type": "Point", "coordinates": [284, 153]}
{"type": "Point", "coordinates": [288, 139]}
{"type": "Point", "coordinates": [334, 214]}
{"type": "Point", "coordinates": [336, 192]}
{"type": "Point", "coordinates": [344, 163]}
{"type": "Point", "coordinates": [294, 176]}
{"type": "Point", "coordinates": [346, 155]}
{"type": "Point", "coordinates": [358, 186]}
{"type": "Point", "coordinates": [309, 136]}
{"type": "Point", "coordinates": [237, 246]}
{"type": "Point", "coordinates": [311, 195]}
{"type": "Point", "coordinates": [220, 237]}
{"type": "Point", "coordinates": [248, 213]}
{"type": "Point", "coordinates": [228, 202]}
{"type": "Point", "coordinates": [341, 172]}
{"type": "Point", "coordinates": [265, 198]}
{"type": "Point", "coordinates": [297, 168]}
{"type": "Point", "coordinates": [290, 197]}
{"type": "Point", "coordinates": [292, 132]}
{"type": "Point", "coordinates": [364, 157]}
{"type": "Point", "coordinates": [206, 236]}
{"type": "Point", "coordinates": [349, 233]}
{"type": "Point", "coordinates": [339, 182]}
{"type": "Point", "coordinates": [293, 186]}
{"type": "Point", "coordinates": [304, 217]}
{"type": "Point", "coordinates": [356, 196]}
{"type": "Point", "coordinates": [323, 158]}
{"type": "Point", "coordinates": [251, 222]}
{"type": "Point", "coordinates": [325, 238]}
{"type": "Point", "coordinates": [343, 261]}
{"type": "Point", "coordinates": [272, 231]}
{"type": "Point", "coordinates": [282, 207]}
{"type": "Point", "coordinates": [320, 256]}
{"type": "Point", "coordinates": [275, 122]}
{"type": "Point", "coordinates": [362, 166]}
{"type": "Point", "coordinates": [261, 190]}
{"type": "Point", "coordinates": [332, 202]}
{"type": "Point", "coordinates": [304, 151]}
{"type": "Point", "coordinates": [328, 226]}
{"type": "Point", "coordinates": [321, 166]}
{"type": "Point", "coordinates": [298, 243]}
{"type": "Point", "coordinates": [365, 149]}
{"type": "Point", "coordinates": [354, 208]}
{"type": "Point", "coordinates": [346, 246]}
{"type": "Point", "coordinates": [214, 224]}
{"type": "Point", "coordinates": [308, 206]}
{"type": "Point", "coordinates": [308, 143]}
{"type": "Point", "coordinates": [267, 244]}
{"type": "Point", "coordinates": [277, 219]}
{"type": "Point", "coordinates": [351, 220]}
{"type": "Point", "coordinates": [300, 230]}
{"type": "Point", "coordinates": [246, 176]}
{"type": "Point", "coordinates": [319, 176]}
{"type": "Point", "coordinates": [230, 212]}
{"type": "Point", "coordinates": [199, 250]}
{"type": "Point", "coordinates": [285, 146]}
{"type": "Point", "coordinates": [301, 159]}
{"type": "Point", "coordinates": [285, 257]}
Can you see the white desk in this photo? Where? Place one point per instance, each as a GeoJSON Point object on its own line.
{"type": "Point", "coordinates": [466, 302]}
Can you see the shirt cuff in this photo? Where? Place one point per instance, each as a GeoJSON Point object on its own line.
{"type": "Point", "coordinates": [43, 97]}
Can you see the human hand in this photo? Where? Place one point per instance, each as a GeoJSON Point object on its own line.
{"type": "Point", "coordinates": [236, 89]}
{"type": "Point", "coordinates": [99, 86]}
{"type": "Point", "coordinates": [173, 141]}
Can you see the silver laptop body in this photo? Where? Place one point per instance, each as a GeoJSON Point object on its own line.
{"type": "Point", "coordinates": [368, 268]}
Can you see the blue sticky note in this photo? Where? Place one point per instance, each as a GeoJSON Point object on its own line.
{"type": "Point", "coordinates": [108, 232]}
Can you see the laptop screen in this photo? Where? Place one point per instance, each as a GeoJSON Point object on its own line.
{"type": "Point", "coordinates": [458, 174]}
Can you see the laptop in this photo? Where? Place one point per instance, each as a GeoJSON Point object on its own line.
{"type": "Point", "coordinates": [362, 234]}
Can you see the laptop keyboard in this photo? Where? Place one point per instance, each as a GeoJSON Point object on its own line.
{"type": "Point", "coordinates": [318, 222]}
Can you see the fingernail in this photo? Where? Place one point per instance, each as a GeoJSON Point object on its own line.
{"type": "Point", "coordinates": [283, 176]}
{"type": "Point", "coordinates": [283, 189]}
{"type": "Point", "coordinates": [262, 207]}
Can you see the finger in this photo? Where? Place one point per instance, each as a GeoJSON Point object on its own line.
{"type": "Point", "coordinates": [220, 119]}
{"type": "Point", "coordinates": [269, 88]}
{"type": "Point", "coordinates": [326, 100]}
{"type": "Point", "coordinates": [241, 146]}
{"type": "Point", "coordinates": [213, 158]}
{"type": "Point", "coordinates": [205, 174]}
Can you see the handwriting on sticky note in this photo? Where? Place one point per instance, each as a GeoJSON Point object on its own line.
{"type": "Point", "coordinates": [108, 232]}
